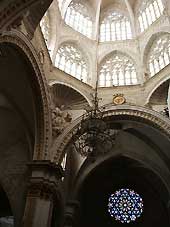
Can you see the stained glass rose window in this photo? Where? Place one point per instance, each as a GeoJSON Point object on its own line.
{"type": "Point", "coordinates": [125, 205]}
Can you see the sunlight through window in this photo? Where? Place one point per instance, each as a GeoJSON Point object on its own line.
{"type": "Point", "coordinates": [115, 26]}
{"type": "Point", "coordinates": [117, 70]}
{"type": "Point", "coordinates": [150, 11]}
{"type": "Point", "coordinates": [70, 60]}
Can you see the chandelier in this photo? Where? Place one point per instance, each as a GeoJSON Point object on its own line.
{"type": "Point", "coordinates": [93, 137]}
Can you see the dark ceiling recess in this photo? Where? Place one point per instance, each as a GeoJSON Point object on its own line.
{"type": "Point", "coordinates": [111, 176]}
{"type": "Point", "coordinates": [68, 98]}
{"type": "Point", "coordinates": [160, 95]}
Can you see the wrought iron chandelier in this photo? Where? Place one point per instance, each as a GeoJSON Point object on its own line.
{"type": "Point", "coordinates": [93, 137]}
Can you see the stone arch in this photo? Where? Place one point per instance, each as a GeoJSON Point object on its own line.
{"type": "Point", "coordinates": [68, 2]}
{"type": "Point", "coordinates": [156, 86]}
{"type": "Point", "coordinates": [12, 11]}
{"type": "Point", "coordinates": [17, 139]}
{"type": "Point", "coordinates": [116, 82]}
{"type": "Point", "coordinates": [127, 50]}
{"type": "Point", "coordinates": [86, 55]}
{"type": "Point", "coordinates": [78, 44]}
{"type": "Point", "coordinates": [43, 118]}
{"type": "Point", "coordinates": [149, 43]}
{"type": "Point", "coordinates": [86, 96]}
{"type": "Point", "coordinates": [102, 178]}
{"type": "Point", "coordinates": [118, 6]}
{"type": "Point", "coordinates": [132, 112]}
{"type": "Point", "coordinates": [125, 53]}
{"type": "Point", "coordinates": [86, 169]}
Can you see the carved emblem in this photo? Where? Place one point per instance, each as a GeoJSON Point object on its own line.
{"type": "Point", "coordinates": [119, 99]}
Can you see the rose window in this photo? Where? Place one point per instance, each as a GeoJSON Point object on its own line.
{"type": "Point", "coordinates": [125, 205]}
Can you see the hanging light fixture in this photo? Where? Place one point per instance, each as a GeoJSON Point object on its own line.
{"type": "Point", "coordinates": [93, 137]}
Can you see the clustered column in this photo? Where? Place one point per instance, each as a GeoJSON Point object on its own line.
{"type": "Point", "coordinates": [43, 191]}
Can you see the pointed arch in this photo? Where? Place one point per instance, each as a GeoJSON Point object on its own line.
{"type": "Point", "coordinates": [117, 69]}
{"type": "Point", "coordinates": [115, 25]}
{"type": "Point", "coordinates": [157, 52]}
{"type": "Point", "coordinates": [78, 17]}
{"type": "Point", "coordinates": [25, 50]}
{"type": "Point", "coordinates": [149, 12]}
{"type": "Point", "coordinates": [72, 60]}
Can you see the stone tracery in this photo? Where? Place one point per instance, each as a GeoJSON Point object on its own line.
{"type": "Point", "coordinates": [159, 54]}
{"type": "Point", "coordinates": [115, 26]}
{"type": "Point", "coordinates": [71, 60]}
{"type": "Point", "coordinates": [54, 131]}
{"type": "Point", "coordinates": [117, 70]}
{"type": "Point", "coordinates": [149, 12]}
{"type": "Point", "coordinates": [77, 16]}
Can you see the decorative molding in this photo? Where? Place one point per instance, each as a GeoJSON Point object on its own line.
{"type": "Point", "coordinates": [129, 112]}
{"type": "Point", "coordinates": [44, 131]}
{"type": "Point", "coordinates": [60, 120]}
{"type": "Point", "coordinates": [45, 180]}
{"type": "Point", "coordinates": [13, 10]}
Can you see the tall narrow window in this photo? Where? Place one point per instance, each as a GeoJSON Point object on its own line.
{"type": "Point", "coordinates": [45, 28]}
{"type": "Point", "coordinates": [117, 70]}
{"type": "Point", "coordinates": [159, 54]}
{"type": "Point", "coordinates": [77, 17]}
{"type": "Point", "coordinates": [115, 26]}
{"type": "Point", "coordinates": [70, 60]}
{"type": "Point", "coordinates": [149, 12]}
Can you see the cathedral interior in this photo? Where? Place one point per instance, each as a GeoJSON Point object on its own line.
{"type": "Point", "coordinates": [84, 112]}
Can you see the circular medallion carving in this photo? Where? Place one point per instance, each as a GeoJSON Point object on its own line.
{"type": "Point", "coordinates": [119, 99]}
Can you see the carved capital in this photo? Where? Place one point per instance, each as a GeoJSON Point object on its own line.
{"type": "Point", "coordinates": [45, 180]}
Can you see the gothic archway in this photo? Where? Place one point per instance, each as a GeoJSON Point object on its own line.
{"type": "Point", "coordinates": [117, 173]}
{"type": "Point", "coordinates": [21, 48]}
{"type": "Point", "coordinates": [124, 112]}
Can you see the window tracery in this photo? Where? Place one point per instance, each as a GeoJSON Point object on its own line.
{"type": "Point", "coordinates": [149, 12]}
{"type": "Point", "coordinates": [45, 28]}
{"type": "Point", "coordinates": [159, 55]}
{"type": "Point", "coordinates": [115, 26]}
{"type": "Point", "coordinates": [77, 17]}
{"type": "Point", "coordinates": [70, 60]}
{"type": "Point", "coordinates": [117, 70]}
{"type": "Point", "coordinates": [125, 205]}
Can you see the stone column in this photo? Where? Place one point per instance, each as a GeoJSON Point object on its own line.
{"type": "Point", "coordinates": [71, 216]}
{"type": "Point", "coordinates": [43, 191]}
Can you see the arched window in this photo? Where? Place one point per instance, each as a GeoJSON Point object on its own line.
{"type": "Point", "coordinates": [159, 54]}
{"type": "Point", "coordinates": [115, 26]}
{"type": "Point", "coordinates": [70, 60]}
{"type": "Point", "coordinates": [45, 28]}
{"type": "Point", "coordinates": [150, 11]}
{"type": "Point", "coordinates": [77, 16]}
{"type": "Point", "coordinates": [117, 70]}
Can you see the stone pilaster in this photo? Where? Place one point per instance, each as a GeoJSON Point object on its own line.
{"type": "Point", "coordinates": [71, 215]}
{"type": "Point", "coordinates": [43, 191]}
